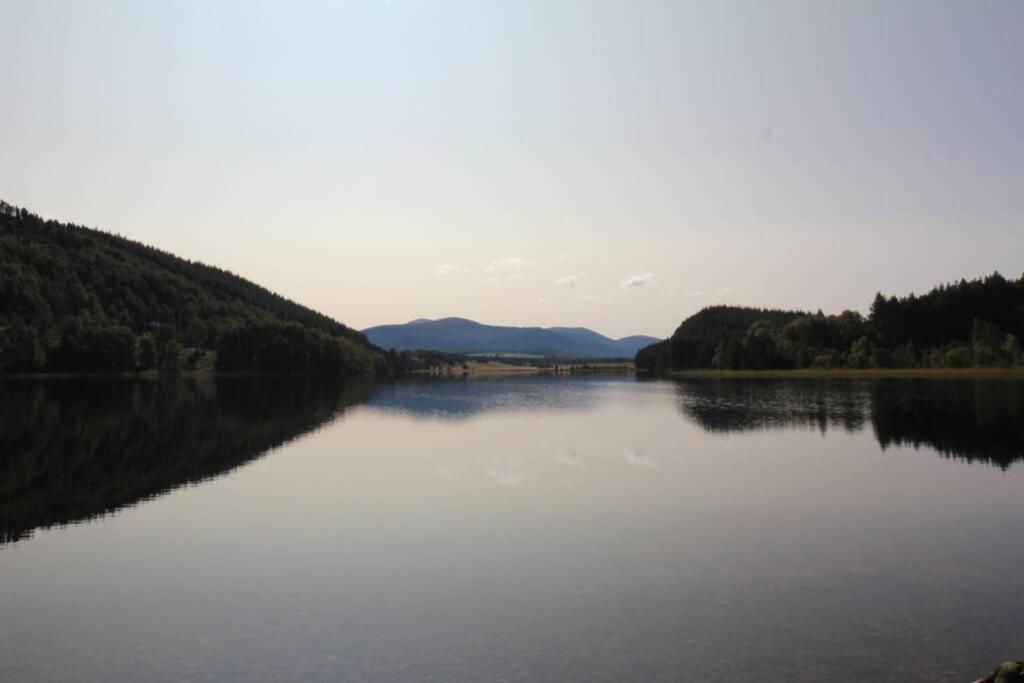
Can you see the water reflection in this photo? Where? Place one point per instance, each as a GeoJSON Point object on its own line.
{"type": "Point", "coordinates": [739, 405]}
{"type": "Point", "coordinates": [463, 398]}
{"type": "Point", "coordinates": [979, 421]}
{"type": "Point", "coordinates": [74, 450]}
{"type": "Point", "coordinates": [570, 529]}
{"type": "Point", "coordinates": [975, 420]}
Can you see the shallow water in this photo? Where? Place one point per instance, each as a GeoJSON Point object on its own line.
{"type": "Point", "coordinates": [517, 529]}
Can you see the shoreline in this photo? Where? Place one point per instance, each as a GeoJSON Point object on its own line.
{"type": "Point", "coordinates": [491, 369]}
{"type": "Point", "coordinates": [477, 368]}
{"type": "Point", "coordinates": [157, 374]}
{"type": "Point", "coordinates": [854, 373]}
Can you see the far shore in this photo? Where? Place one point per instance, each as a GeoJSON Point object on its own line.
{"type": "Point", "coordinates": [495, 368]}
{"type": "Point", "coordinates": [479, 368]}
{"type": "Point", "coordinates": [867, 373]}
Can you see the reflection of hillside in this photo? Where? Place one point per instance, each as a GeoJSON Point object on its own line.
{"type": "Point", "coordinates": [974, 420]}
{"type": "Point", "coordinates": [462, 398]}
{"type": "Point", "coordinates": [735, 405]}
{"type": "Point", "coordinates": [73, 450]}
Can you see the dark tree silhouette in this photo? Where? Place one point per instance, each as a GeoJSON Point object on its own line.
{"type": "Point", "coordinates": [972, 323]}
{"type": "Point", "coordinates": [74, 299]}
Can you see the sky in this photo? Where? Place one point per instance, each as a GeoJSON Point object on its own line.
{"type": "Point", "coordinates": [616, 165]}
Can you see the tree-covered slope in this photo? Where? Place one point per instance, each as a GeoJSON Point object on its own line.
{"type": "Point", "coordinates": [75, 299]}
{"type": "Point", "coordinates": [970, 323]}
{"type": "Point", "coordinates": [695, 341]}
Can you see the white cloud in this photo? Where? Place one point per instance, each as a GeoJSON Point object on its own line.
{"type": "Point", "coordinates": [568, 281]}
{"type": "Point", "coordinates": [545, 300]}
{"type": "Point", "coordinates": [448, 269]}
{"type": "Point", "coordinates": [636, 280]}
{"type": "Point", "coordinates": [638, 458]}
{"type": "Point", "coordinates": [570, 457]}
{"type": "Point", "coordinates": [507, 265]}
{"type": "Point", "coordinates": [506, 474]}
{"type": "Point", "coordinates": [508, 278]}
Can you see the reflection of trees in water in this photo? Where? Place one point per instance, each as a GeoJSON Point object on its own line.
{"type": "Point", "coordinates": [969, 419]}
{"type": "Point", "coordinates": [73, 450]}
{"type": "Point", "coordinates": [972, 420]}
{"type": "Point", "coordinates": [737, 405]}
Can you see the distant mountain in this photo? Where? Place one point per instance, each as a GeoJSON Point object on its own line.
{"type": "Point", "coordinates": [467, 336]}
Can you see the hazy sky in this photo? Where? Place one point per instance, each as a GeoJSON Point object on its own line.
{"type": "Point", "coordinates": [617, 165]}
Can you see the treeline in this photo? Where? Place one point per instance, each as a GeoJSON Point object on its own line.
{"type": "Point", "coordinates": [977, 323]}
{"type": "Point", "coordinates": [75, 299]}
{"type": "Point", "coordinates": [404, 362]}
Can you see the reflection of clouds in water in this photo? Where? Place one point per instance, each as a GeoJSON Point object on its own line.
{"type": "Point", "coordinates": [504, 473]}
{"type": "Point", "coordinates": [444, 472]}
{"type": "Point", "coordinates": [638, 458]}
{"type": "Point", "coordinates": [570, 457]}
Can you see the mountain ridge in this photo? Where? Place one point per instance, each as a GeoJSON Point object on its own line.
{"type": "Point", "coordinates": [462, 335]}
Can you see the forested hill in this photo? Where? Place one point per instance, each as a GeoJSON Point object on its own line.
{"type": "Point", "coordinates": [696, 340]}
{"type": "Point", "coordinates": [75, 299]}
{"type": "Point", "coordinates": [975, 323]}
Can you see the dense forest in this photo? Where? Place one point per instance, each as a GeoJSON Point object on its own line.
{"type": "Point", "coordinates": [977, 323]}
{"type": "Point", "coordinates": [75, 299]}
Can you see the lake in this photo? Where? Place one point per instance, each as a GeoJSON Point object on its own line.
{"type": "Point", "coordinates": [529, 528]}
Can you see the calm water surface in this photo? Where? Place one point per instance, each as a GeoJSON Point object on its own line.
{"type": "Point", "coordinates": [517, 529]}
